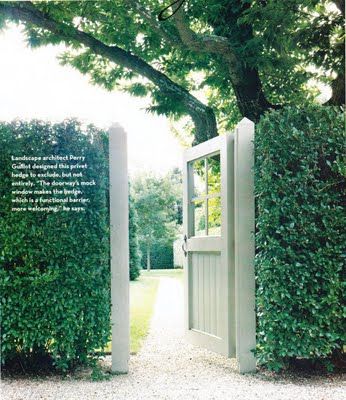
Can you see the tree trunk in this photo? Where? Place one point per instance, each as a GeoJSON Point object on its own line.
{"type": "Point", "coordinates": [148, 259]}
{"type": "Point", "coordinates": [249, 94]}
{"type": "Point", "coordinates": [245, 79]}
{"type": "Point", "coordinates": [338, 91]}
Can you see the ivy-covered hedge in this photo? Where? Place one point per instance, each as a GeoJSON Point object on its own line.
{"type": "Point", "coordinates": [300, 234]}
{"type": "Point", "coordinates": [55, 275]}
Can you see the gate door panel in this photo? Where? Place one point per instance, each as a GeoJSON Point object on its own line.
{"type": "Point", "coordinates": [219, 224]}
{"type": "Point", "coordinates": [208, 282]}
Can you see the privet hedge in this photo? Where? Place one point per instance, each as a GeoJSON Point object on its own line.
{"type": "Point", "coordinates": [161, 256]}
{"type": "Point", "coordinates": [55, 275]}
{"type": "Point", "coordinates": [135, 254]}
{"type": "Point", "coordinates": [300, 234]}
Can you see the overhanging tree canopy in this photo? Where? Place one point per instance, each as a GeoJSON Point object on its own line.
{"type": "Point", "coordinates": [249, 56]}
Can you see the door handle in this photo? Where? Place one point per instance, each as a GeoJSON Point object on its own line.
{"type": "Point", "coordinates": [184, 246]}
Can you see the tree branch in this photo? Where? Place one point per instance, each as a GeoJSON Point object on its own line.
{"type": "Point", "coordinates": [200, 43]}
{"type": "Point", "coordinates": [208, 44]}
{"type": "Point", "coordinates": [187, 39]}
{"type": "Point", "coordinates": [202, 115]}
{"type": "Point", "coordinates": [155, 25]}
{"type": "Point", "coordinates": [245, 80]}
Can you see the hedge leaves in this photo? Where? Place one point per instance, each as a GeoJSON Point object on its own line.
{"type": "Point", "coordinates": [300, 234]}
{"type": "Point", "coordinates": [55, 276]}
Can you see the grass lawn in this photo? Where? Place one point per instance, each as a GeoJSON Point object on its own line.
{"type": "Point", "coordinates": [170, 273]}
{"type": "Point", "coordinates": [142, 301]}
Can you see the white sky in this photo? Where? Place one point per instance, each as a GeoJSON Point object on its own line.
{"type": "Point", "coordinates": [34, 85]}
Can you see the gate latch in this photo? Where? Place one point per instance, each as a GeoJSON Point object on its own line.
{"type": "Point", "coordinates": [183, 246]}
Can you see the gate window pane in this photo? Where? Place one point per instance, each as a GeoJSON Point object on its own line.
{"type": "Point", "coordinates": [214, 174]}
{"type": "Point", "coordinates": [199, 178]}
{"type": "Point", "coordinates": [214, 216]}
{"type": "Point", "coordinates": [199, 218]}
{"type": "Point", "coordinates": [205, 197]}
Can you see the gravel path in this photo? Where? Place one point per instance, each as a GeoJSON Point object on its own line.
{"type": "Point", "coordinates": [168, 368]}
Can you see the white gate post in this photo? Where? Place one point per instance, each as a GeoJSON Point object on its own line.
{"type": "Point", "coordinates": [244, 219]}
{"type": "Point", "coordinates": [119, 241]}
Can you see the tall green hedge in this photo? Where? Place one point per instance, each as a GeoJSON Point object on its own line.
{"type": "Point", "coordinates": [135, 254]}
{"type": "Point", "coordinates": [161, 256]}
{"type": "Point", "coordinates": [300, 234]}
{"type": "Point", "coordinates": [55, 275]}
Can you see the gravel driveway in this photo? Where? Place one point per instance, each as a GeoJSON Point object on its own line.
{"type": "Point", "coordinates": [168, 368]}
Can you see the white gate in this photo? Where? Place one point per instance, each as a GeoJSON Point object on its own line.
{"type": "Point", "coordinates": [219, 245]}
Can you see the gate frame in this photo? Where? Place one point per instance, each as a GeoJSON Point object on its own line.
{"type": "Point", "coordinates": [240, 244]}
{"type": "Point", "coordinates": [119, 248]}
{"type": "Point", "coordinates": [244, 246]}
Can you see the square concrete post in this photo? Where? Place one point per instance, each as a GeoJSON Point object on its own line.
{"type": "Point", "coordinates": [119, 240]}
{"type": "Point", "coordinates": [244, 220]}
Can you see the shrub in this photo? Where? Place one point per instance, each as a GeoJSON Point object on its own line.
{"type": "Point", "coordinates": [55, 275]}
{"type": "Point", "coordinates": [161, 256]}
{"type": "Point", "coordinates": [300, 234]}
{"type": "Point", "coordinates": [135, 255]}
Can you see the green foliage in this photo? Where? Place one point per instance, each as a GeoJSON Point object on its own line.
{"type": "Point", "coordinates": [135, 255]}
{"type": "Point", "coordinates": [55, 275]}
{"type": "Point", "coordinates": [297, 33]}
{"type": "Point", "coordinates": [288, 43]}
{"type": "Point", "coordinates": [158, 204]}
{"type": "Point", "coordinates": [300, 234]}
{"type": "Point", "coordinates": [161, 256]}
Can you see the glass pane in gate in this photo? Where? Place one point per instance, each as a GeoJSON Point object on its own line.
{"type": "Point", "coordinates": [199, 185]}
{"type": "Point", "coordinates": [214, 174]}
{"type": "Point", "coordinates": [200, 222]}
{"type": "Point", "coordinates": [214, 216]}
{"type": "Point", "coordinates": [206, 196]}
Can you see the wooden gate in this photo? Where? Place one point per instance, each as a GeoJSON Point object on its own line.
{"type": "Point", "coordinates": [219, 245]}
